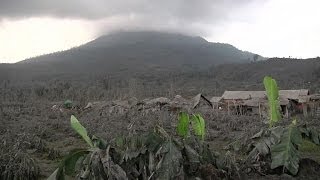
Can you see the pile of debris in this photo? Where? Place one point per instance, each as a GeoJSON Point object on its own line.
{"type": "Point", "coordinates": [178, 103]}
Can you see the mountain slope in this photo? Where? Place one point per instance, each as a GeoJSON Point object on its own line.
{"type": "Point", "coordinates": [128, 52]}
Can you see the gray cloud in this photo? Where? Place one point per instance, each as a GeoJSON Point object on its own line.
{"type": "Point", "coordinates": [180, 10]}
{"type": "Point", "coordinates": [188, 16]}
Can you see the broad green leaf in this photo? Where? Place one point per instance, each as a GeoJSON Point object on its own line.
{"type": "Point", "coordinates": [71, 160]}
{"type": "Point", "coordinates": [67, 166]}
{"type": "Point", "coordinates": [99, 142]}
{"type": "Point", "coordinates": [264, 146]}
{"type": "Point", "coordinates": [183, 124]}
{"type": "Point", "coordinates": [273, 95]}
{"type": "Point", "coordinates": [198, 126]}
{"type": "Point", "coordinates": [171, 165]}
{"type": "Point", "coordinates": [75, 124]}
{"type": "Point", "coordinates": [112, 169]}
{"type": "Point", "coordinates": [276, 133]}
{"type": "Point", "coordinates": [264, 140]}
{"type": "Point", "coordinates": [286, 153]}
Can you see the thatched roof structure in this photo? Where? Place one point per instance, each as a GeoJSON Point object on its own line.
{"type": "Point", "coordinates": [197, 99]}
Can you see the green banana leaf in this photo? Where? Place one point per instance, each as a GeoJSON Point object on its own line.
{"type": "Point", "coordinates": [75, 124]}
{"type": "Point", "coordinates": [183, 124]}
{"type": "Point", "coordinates": [286, 153]}
{"type": "Point", "coordinates": [273, 99]}
{"type": "Point", "coordinates": [67, 166]}
{"type": "Point", "coordinates": [198, 126]}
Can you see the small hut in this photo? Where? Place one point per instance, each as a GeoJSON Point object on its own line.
{"type": "Point", "coordinates": [298, 100]}
{"type": "Point", "coordinates": [236, 102]}
{"type": "Point", "coordinates": [314, 104]}
{"type": "Point", "coordinates": [199, 101]}
{"type": "Point", "coordinates": [254, 102]}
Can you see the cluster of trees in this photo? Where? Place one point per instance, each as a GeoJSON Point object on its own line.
{"type": "Point", "coordinates": [212, 81]}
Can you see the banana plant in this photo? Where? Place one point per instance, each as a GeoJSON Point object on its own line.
{"type": "Point", "coordinates": [68, 165]}
{"type": "Point", "coordinates": [156, 155]}
{"type": "Point", "coordinates": [286, 152]}
{"type": "Point", "coordinates": [199, 126]}
{"type": "Point", "coordinates": [183, 124]}
{"type": "Point", "coordinates": [272, 90]}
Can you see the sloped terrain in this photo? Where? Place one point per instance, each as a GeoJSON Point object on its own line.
{"type": "Point", "coordinates": [129, 52]}
{"type": "Point", "coordinates": [35, 128]}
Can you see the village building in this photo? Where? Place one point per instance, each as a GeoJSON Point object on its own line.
{"type": "Point", "coordinates": [241, 102]}
{"type": "Point", "coordinates": [215, 101]}
{"type": "Point", "coordinates": [256, 102]}
{"type": "Point", "coordinates": [314, 105]}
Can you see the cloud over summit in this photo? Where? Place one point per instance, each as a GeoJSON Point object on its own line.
{"type": "Point", "coordinates": [267, 27]}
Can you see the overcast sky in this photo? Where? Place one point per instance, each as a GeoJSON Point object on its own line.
{"type": "Point", "coordinates": [268, 27]}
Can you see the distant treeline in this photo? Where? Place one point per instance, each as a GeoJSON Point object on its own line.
{"type": "Point", "coordinates": [213, 81]}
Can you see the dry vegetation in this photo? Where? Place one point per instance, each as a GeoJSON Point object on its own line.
{"type": "Point", "coordinates": [35, 137]}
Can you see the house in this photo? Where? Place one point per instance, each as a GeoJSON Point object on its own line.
{"type": "Point", "coordinates": [298, 100]}
{"type": "Point", "coordinates": [215, 101]}
{"type": "Point", "coordinates": [255, 106]}
{"type": "Point", "coordinates": [243, 102]}
{"type": "Point", "coordinates": [297, 95]}
{"type": "Point", "coordinates": [256, 102]}
{"type": "Point", "coordinates": [314, 104]}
